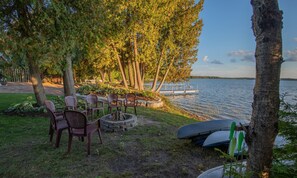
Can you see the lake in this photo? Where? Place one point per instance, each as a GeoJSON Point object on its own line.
{"type": "Point", "coordinates": [226, 98]}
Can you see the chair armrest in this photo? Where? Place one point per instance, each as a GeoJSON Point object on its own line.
{"type": "Point", "coordinates": [101, 103]}
{"type": "Point", "coordinates": [59, 113]}
{"type": "Point", "coordinates": [60, 118]}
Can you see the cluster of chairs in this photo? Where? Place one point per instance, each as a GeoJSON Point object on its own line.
{"type": "Point", "coordinates": [76, 121]}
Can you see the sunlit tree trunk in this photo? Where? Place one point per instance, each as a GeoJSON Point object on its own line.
{"type": "Point", "coordinates": [130, 72]}
{"type": "Point", "coordinates": [102, 75]}
{"type": "Point", "coordinates": [121, 67]}
{"type": "Point", "coordinates": [137, 65]}
{"type": "Point", "coordinates": [135, 76]}
{"type": "Point", "coordinates": [263, 128]}
{"type": "Point", "coordinates": [36, 81]}
{"type": "Point", "coordinates": [68, 79]}
{"type": "Point", "coordinates": [164, 77]}
{"type": "Point", "coordinates": [157, 71]}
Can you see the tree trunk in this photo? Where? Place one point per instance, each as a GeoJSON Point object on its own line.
{"type": "Point", "coordinates": [121, 67]}
{"type": "Point", "coordinates": [137, 65]}
{"type": "Point", "coordinates": [109, 76]}
{"type": "Point", "coordinates": [68, 80]}
{"type": "Point", "coordinates": [157, 71]}
{"type": "Point", "coordinates": [263, 128]}
{"type": "Point", "coordinates": [36, 82]}
{"type": "Point", "coordinates": [135, 75]}
{"type": "Point", "coordinates": [165, 75]}
{"type": "Point", "coordinates": [131, 74]}
{"type": "Point", "coordinates": [102, 75]}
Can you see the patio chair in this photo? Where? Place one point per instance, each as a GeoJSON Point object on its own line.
{"type": "Point", "coordinates": [51, 106]}
{"type": "Point", "coordinates": [93, 105]}
{"type": "Point", "coordinates": [113, 102]}
{"type": "Point", "coordinates": [57, 124]}
{"type": "Point", "coordinates": [78, 126]}
{"type": "Point", "coordinates": [130, 101]}
{"type": "Point", "coordinates": [71, 104]}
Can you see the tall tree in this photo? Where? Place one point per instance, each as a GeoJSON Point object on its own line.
{"type": "Point", "coordinates": [181, 42]}
{"type": "Point", "coordinates": [21, 24]}
{"type": "Point", "coordinates": [263, 128]}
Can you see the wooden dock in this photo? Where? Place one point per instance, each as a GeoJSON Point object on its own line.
{"type": "Point", "coordinates": [179, 92]}
{"type": "Point", "coordinates": [178, 89]}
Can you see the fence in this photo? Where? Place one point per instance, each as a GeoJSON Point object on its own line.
{"type": "Point", "coordinates": [16, 74]}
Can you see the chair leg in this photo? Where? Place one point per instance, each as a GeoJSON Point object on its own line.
{"type": "Point", "coordinates": [99, 134]}
{"type": "Point", "coordinates": [69, 142]}
{"type": "Point", "coordinates": [58, 138]}
{"type": "Point", "coordinates": [135, 110]}
{"type": "Point", "coordinates": [89, 143]}
{"type": "Point", "coordinates": [51, 133]}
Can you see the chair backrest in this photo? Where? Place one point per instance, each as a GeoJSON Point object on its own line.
{"type": "Point", "coordinates": [71, 102]}
{"type": "Point", "coordinates": [92, 99]}
{"type": "Point", "coordinates": [77, 122]}
{"type": "Point", "coordinates": [112, 99]}
{"type": "Point", "coordinates": [130, 98]}
{"type": "Point", "coordinates": [52, 117]}
{"type": "Point", "coordinates": [50, 105]}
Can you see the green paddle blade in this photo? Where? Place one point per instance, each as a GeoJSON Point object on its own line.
{"type": "Point", "coordinates": [232, 146]}
{"type": "Point", "coordinates": [232, 128]}
{"type": "Point", "coordinates": [240, 140]}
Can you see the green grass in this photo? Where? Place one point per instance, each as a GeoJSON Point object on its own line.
{"type": "Point", "coordinates": [149, 150]}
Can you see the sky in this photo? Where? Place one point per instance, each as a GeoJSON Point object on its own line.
{"type": "Point", "coordinates": [227, 43]}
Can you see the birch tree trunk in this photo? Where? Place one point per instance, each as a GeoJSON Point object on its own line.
{"type": "Point", "coordinates": [36, 81]}
{"type": "Point", "coordinates": [130, 73]}
{"type": "Point", "coordinates": [263, 128]}
{"type": "Point", "coordinates": [68, 79]}
{"type": "Point", "coordinates": [137, 65]}
{"type": "Point", "coordinates": [164, 77]}
{"type": "Point", "coordinates": [157, 71]}
{"type": "Point", "coordinates": [121, 67]}
{"type": "Point", "coordinates": [102, 75]}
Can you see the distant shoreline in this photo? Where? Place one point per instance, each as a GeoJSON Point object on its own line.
{"type": "Point", "coordinates": [243, 78]}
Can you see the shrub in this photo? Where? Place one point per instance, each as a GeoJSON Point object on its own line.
{"type": "Point", "coordinates": [104, 90]}
{"type": "Point", "coordinates": [285, 164]}
{"type": "Point", "coordinates": [25, 107]}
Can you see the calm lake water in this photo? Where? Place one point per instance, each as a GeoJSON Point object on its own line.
{"type": "Point", "coordinates": [226, 98]}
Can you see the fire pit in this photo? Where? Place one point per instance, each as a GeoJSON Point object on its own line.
{"type": "Point", "coordinates": [118, 121]}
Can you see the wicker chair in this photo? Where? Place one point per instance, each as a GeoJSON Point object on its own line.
{"type": "Point", "coordinates": [71, 104]}
{"type": "Point", "coordinates": [113, 102]}
{"type": "Point", "coordinates": [57, 122]}
{"type": "Point", "coordinates": [51, 106]}
{"type": "Point", "coordinates": [78, 126]}
{"type": "Point", "coordinates": [130, 101]}
{"type": "Point", "coordinates": [93, 105]}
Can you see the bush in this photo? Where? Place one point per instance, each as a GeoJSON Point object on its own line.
{"type": "Point", "coordinates": [285, 164]}
{"type": "Point", "coordinates": [104, 90]}
{"type": "Point", "coordinates": [29, 106]}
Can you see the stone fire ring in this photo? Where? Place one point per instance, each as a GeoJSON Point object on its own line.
{"type": "Point", "coordinates": [109, 125]}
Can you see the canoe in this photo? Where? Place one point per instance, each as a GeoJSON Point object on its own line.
{"type": "Point", "coordinates": [219, 138]}
{"type": "Point", "coordinates": [203, 128]}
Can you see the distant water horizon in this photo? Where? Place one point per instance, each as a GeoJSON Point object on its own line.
{"type": "Point", "coordinates": [222, 98]}
{"type": "Point", "coordinates": [218, 77]}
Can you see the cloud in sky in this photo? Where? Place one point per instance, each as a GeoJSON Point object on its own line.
{"type": "Point", "coordinates": [243, 55]}
{"type": "Point", "coordinates": [291, 55]}
{"type": "Point", "coordinates": [216, 62]}
{"type": "Point", "coordinates": [205, 59]}
{"type": "Point", "coordinates": [295, 39]}
{"type": "Point", "coordinates": [233, 60]}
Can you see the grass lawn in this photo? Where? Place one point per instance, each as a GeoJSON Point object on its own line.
{"type": "Point", "coordinates": [151, 149]}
